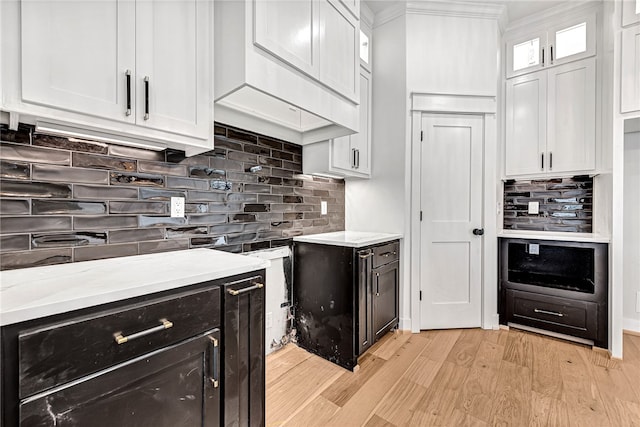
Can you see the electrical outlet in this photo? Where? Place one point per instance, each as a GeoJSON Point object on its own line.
{"type": "Point", "coordinates": [268, 322]}
{"type": "Point", "coordinates": [177, 207]}
{"type": "Point", "coordinates": [534, 208]}
{"type": "Point", "coordinates": [534, 249]}
{"type": "Point", "coordinates": [637, 302]}
{"type": "Point", "coordinates": [323, 208]}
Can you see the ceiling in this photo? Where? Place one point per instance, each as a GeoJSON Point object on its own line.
{"type": "Point", "coordinates": [516, 9]}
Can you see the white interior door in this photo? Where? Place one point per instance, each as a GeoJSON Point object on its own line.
{"type": "Point", "coordinates": [451, 204]}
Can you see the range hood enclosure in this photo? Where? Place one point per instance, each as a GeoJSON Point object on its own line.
{"type": "Point", "coordinates": [257, 91]}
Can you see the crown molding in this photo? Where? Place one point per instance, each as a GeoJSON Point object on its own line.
{"type": "Point", "coordinates": [459, 8]}
{"type": "Point", "coordinates": [366, 15]}
{"type": "Point", "coordinates": [541, 19]}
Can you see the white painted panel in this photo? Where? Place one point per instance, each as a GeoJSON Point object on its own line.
{"type": "Point", "coordinates": [362, 140]}
{"type": "Point", "coordinates": [455, 274]}
{"type": "Point", "coordinates": [75, 55]}
{"type": "Point", "coordinates": [631, 230]}
{"type": "Point", "coordinates": [526, 53]}
{"type": "Point", "coordinates": [630, 70]}
{"type": "Point", "coordinates": [451, 55]}
{"type": "Point", "coordinates": [630, 12]}
{"type": "Point", "coordinates": [287, 30]}
{"type": "Point", "coordinates": [571, 116]}
{"type": "Point", "coordinates": [341, 154]}
{"type": "Point", "coordinates": [526, 111]}
{"type": "Point", "coordinates": [176, 63]}
{"type": "Point", "coordinates": [450, 155]}
{"type": "Point", "coordinates": [573, 40]}
{"type": "Point", "coordinates": [339, 63]}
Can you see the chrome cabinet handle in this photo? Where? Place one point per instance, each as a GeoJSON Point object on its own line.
{"type": "Point", "coordinates": [215, 363]}
{"type": "Point", "coordinates": [377, 284]}
{"type": "Point", "coordinates": [353, 158]}
{"type": "Point", "coordinates": [367, 255]}
{"type": "Point", "coordinates": [551, 49]}
{"type": "Point", "coordinates": [247, 289]}
{"type": "Point", "coordinates": [553, 313]}
{"type": "Point", "coordinates": [121, 339]}
{"type": "Point", "coordinates": [128, 74]}
{"type": "Point", "coordinates": [146, 97]}
{"type": "Point", "coordinates": [357, 158]}
{"type": "Point", "coordinates": [388, 254]}
{"type": "Point", "coordinates": [543, 57]}
{"type": "Point", "coordinates": [542, 161]}
{"type": "Point", "coordinates": [550, 160]}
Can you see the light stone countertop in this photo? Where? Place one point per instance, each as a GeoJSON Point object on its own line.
{"type": "Point", "coordinates": [31, 293]}
{"type": "Point", "coordinates": [352, 239]}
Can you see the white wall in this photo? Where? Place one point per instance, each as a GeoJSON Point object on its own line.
{"type": "Point", "coordinates": [631, 230]}
{"type": "Point", "coordinates": [379, 203]}
{"type": "Point", "coordinates": [415, 52]}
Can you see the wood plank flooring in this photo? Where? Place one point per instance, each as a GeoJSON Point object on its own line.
{"type": "Point", "coordinates": [462, 377]}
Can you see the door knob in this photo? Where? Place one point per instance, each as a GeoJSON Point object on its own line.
{"type": "Point", "coordinates": [478, 231]}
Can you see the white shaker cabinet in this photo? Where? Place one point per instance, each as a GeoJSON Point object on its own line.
{"type": "Point", "coordinates": [630, 70]}
{"type": "Point", "coordinates": [125, 70]}
{"type": "Point", "coordinates": [347, 156]}
{"type": "Point", "coordinates": [79, 56]}
{"type": "Point", "coordinates": [550, 121]}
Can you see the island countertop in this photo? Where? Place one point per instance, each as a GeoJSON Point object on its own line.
{"type": "Point", "coordinates": [32, 293]}
{"type": "Point", "coordinates": [352, 239]}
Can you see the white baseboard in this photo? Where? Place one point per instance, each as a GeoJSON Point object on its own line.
{"type": "Point", "coordinates": [405, 323]}
{"type": "Point", "coordinates": [630, 324]}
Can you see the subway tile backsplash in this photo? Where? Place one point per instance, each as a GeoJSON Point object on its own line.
{"type": "Point", "coordinates": [66, 200]}
{"type": "Point", "coordinates": [566, 204]}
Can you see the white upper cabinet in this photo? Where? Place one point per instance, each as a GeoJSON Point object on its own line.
{"type": "Point", "coordinates": [526, 124]}
{"type": "Point", "coordinates": [339, 49]}
{"type": "Point", "coordinates": [630, 70]}
{"type": "Point", "coordinates": [289, 31]}
{"type": "Point", "coordinates": [557, 44]}
{"type": "Point", "coordinates": [130, 70]}
{"type": "Point", "coordinates": [630, 12]}
{"type": "Point", "coordinates": [347, 156]}
{"type": "Point", "coordinates": [172, 67]}
{"type": "Point", "coordinates": [550, 121]}
{"type": "Point", "coordinates": [289, 68]}
{"type": "Point", "coordinates": [78, 56]}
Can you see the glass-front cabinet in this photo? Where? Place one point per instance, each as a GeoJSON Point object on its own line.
{"type": "Point", "coordinates": [556, 44]}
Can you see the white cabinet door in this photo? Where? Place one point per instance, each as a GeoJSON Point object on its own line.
{"type": "Point", "coordinates": [361, 141]}
{"type": "Point", "coordinates": [173, 87]}
{"type": "Point", "coordinates": [571, 144]}
{"type": "Point", "coordinates": [572, 40]}
{"type": "Point", "coordinates": [339, 50]}
{"type": "Point", "coordinates": [526, 124]}
{"type": "Point", "coordinates": [75, 55]}
{"type": "Point", "coordinates": [630, 70]}
{"type": "Point", "coordinates": [342, 156]}
{"type": "Point", "coordinates": [288, 30]}
{"type": "Point", "coordinates": [630, 12]}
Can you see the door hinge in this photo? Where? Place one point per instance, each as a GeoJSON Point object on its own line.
{"type": "Point", "coordinates": [420, 295]}
{"type": "Point", "coordinates": [420, 215]}
{"type": "Point", "coordinates": [421, 135]}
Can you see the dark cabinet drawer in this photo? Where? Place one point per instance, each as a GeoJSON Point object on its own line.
{"type": "Point", "coordinates": [386, 254]}
{"type": "Point", "coordinates": [563, 315]}
{"type": "Point", "coordinates": [58, 353]}
{"type": "Point", "coordinates": [385, 282]}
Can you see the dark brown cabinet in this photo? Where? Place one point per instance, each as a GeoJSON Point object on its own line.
{"type": "Point", "coordinates": [244, 376]}
{"type": "Point", "coordinates": [192, 356]}
{"type": "Point", "coordinates": [345, 298]}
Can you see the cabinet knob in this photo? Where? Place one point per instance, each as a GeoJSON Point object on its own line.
{"type": "Point", "coordinates": [478, 231]}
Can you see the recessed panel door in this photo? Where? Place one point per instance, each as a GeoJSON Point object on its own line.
{"type": "Point", "coordinates": [78, 56]}
{"type": "Point", "coordinates": [451, 202]}
{"type": "Point", "coordinates": [173, 88]}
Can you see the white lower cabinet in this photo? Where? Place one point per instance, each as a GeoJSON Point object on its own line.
{"type": "Point", "coordinates": [550, 121]}
{"type": "Point", "coordinates": [630, 70]}
{"type": "Point", "coordinates": [113, 66]}
{"type": "Point", "coordinates": [346, 156]}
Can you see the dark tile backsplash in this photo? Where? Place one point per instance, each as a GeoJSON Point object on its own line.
{"type": "Point", "coordinates": [67, 200]}
{"type": "Point", "coordinates": [566, 204]}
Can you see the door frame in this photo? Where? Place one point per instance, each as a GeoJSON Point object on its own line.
{"type": "Point", "coordinates": [487, 108]}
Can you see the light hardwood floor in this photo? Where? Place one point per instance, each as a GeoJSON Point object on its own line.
{"type": "Point", "coordinates": [468, 377]}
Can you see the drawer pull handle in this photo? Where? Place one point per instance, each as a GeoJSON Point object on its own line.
{"type": "Point", "coordinates": [121, 339]}
{"type": "Point", "coordinates": [215, 363]}
{"type": "Point", "coordinates": [366, 255]}
{"type": "Point", "coordinates": [242, 291]}
{"type": "Point", "coordinates": [388, 254]}
{"type": "Point", "coordinates": [553, 313]}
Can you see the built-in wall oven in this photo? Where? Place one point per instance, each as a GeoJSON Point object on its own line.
{"type": "Point", "coordinates": [555, 286]}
